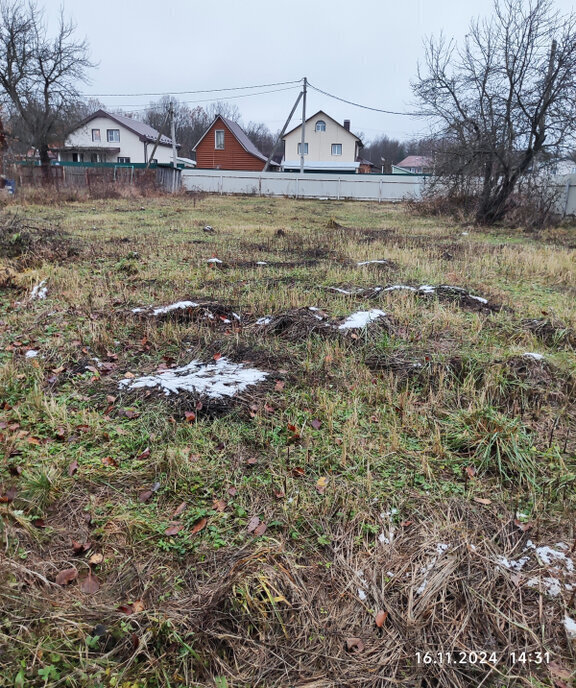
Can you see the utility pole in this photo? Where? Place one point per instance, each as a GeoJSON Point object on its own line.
{"type": "Point", "coordinates": [174, 151]}
{"type": "Point", "coordinates": [281, 134]}
{"type": "Point", "coordinates": [303, 139]}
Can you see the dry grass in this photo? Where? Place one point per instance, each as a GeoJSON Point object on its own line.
{"type": "Point", "coordinates": [360, 455]}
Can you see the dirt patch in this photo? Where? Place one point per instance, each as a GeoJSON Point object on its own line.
{"type": "Point", "coordinates": [550, 331]}
{"type": "Point", "coordinates": [297, 324]}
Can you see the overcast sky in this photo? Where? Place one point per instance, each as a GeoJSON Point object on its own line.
{"type": "Point", "coordinates": [365, 51]}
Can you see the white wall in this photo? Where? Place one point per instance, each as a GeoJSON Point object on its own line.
{"type": "Point", "coordinates": [358, 187]}
{"type": "Point", "coordinates": [129, 144]}
{"type": "Point", "coordinates": [320, 142]}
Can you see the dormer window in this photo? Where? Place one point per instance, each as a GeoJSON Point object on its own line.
{"type": "Point", "coordinates": [320, 125]}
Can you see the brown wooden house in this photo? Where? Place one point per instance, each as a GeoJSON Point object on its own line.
{"type": "Point", "coordinates": [225, 146]}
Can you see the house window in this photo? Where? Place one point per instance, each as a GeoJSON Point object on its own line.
{"type": "Point", "coordinates": [95, 157]}
{"type": "Point", "coordinates": [336, 149]}
{"type": "Point", "coordinates": [320, 125]}
{"type": "Point", "coordinates": [96, 135]}
{"type": "Point", "coordinates": [219, 139]}
{"type": "Point", "coordinates": [124, 161]}
{"type": "Point", "coordinates": [300, 149]}
{"type": "Point", "coordinates": [77, 157]}
{"type": "Point", "coordinates": [113, 135]}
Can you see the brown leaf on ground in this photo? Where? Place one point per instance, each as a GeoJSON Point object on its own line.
{"type": "Point", "coordinates": [322, 484]}
{"type": "Point", "coordinates": [482, 500]}
{"type": "Point", "coordinates": [190, 416]}
{"type": "Point", "coordinates": [145, 496]}
{"type": "Point", "coordinates": [298, 471]}
{"type": "Point", "coordinates": [279, 386]}
{"type": "Point", "coordinates": [72, 468]}
{"type": "Point", "coordinates": [144, 455]}
{"type": "Point", "coordinates": [109, 461]}
{"type": "Point", "coordinates": [253, 523]}
{"type": "Point", "coordinates": [199, 525]}
{"type": "Point", "coordinates": [219, 505]}
{"type": "Point", "coordinates": [80, 547]}
{"type": "Point", "coordinates": [316, 424]}
{"type": "Point", "coordinates": [380, 618]}
{"type": "Point", "coordinates": [261, 529]}
{"type": "Point", "coordinates": [469, 472]}
{"type": "Point", "coordinates": [66, 576]}
{"type": "Point", "coordinates": [90, 584]}
{"type": "Point", "coordinates": [174, 529]}
{"type": "Point", "coordinates": [252, 461]}
{"type": "Point", "coordinates": [354, 645]}
{"type": "Point", "coordinates": [96, 559]}
{"type": "Point", "coordinates": [524, 527]}
{"type": "Point", "coordinates": [8, 496]}
{"type": "Point", "coordinates": [232, 491]}
{"type": "Point", "coordinates": [180, 510]}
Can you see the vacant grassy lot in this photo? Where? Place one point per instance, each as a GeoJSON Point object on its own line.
{"type": "Point", "coordinates": [378, 493]}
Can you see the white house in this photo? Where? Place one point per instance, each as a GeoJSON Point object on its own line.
{"type": "Point", "coordinates": [329, 146]}
{"type": "Point", "coordinates": [107, 137]}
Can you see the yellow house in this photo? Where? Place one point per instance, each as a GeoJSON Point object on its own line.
{"type": "Point", "coordinates": [329, 146]}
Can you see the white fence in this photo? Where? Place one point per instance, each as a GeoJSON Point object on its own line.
{"type": "Point", "coordinates": [360, 187]}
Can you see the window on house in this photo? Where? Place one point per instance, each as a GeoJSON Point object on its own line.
{"type": "Point", "coordinates": [77, 157]}
{"type": "Point", "coordinates": [336, 149]}
{"type": "Point", "coordinates": [320, 125]}
{"type": "Point", "coordinates": [123, 161]}
{"type": "Point", "coordinates": [96, 135]}
{"type": "Point", "coordinates": [219, 139]}
{"type": "Point", "coordinates": [300, 149]}
{"type": "Point", "coordinates": [112, 135]}
{"type": "Point", "coordinates": [95, 157]}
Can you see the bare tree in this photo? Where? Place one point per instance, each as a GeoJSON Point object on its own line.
{"type": "Point", "coordinates": [38, 73]}
{"type": "Point", "coordinates": [504, 102]}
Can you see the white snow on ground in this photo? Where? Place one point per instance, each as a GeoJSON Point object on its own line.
{"type": "Point", "coordinates": [31, 353]}
{"type": "Point", "coordinates": [570, 626]}
{"type": "Point", "coordinates": [397, 287]}
{"type": "Point", "coordinates": [536, 357]}
{"type": "Point", "coordinates": [39, 291]}
{"type": "Point", "coordinates": [217, 379]}
{"type": "Point", "coordinates": [478, 298]}
{"type": "Point", "coordinates": [373, 262]}
{"type": "Point", "coordinates": [555, 561]}
{"type": "Point", "coordinates": [426, 289]}
{"type": "Point", "coordinates": [441, 547]}
{"type": "Point", "coordinates": [264, 321]}
{"type": "Point", "coordinates": [345, 291]}
{"type": "Point", "coordinates": [261, 262]}
{"type": "Point", "coordinates": [361, 319]}
{"type": "Point", "coordinates": [213, 260]}
{"type": "Point", "coordinates": [181, 305]}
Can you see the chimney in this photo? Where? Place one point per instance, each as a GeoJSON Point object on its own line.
{"type": "Point", "coordinates": [347, 124]}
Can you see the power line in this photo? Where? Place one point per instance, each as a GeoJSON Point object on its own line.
{"type": "Point", "coordinates": [206, 100]}
{"type": "Point", "coordinates": [181, 93]}
{"type": "Point", "coordinates": [367, 107]}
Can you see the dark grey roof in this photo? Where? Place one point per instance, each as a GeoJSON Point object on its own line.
{"type": "Point", "coordinates": [240, 136]}
{"type": "Point", "coordinates": [144, 131]}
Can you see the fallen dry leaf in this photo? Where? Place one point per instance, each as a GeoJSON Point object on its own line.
{"type": "Point", "coordinates": [72, 468]}
{"type": "Point", "coordinates": [316, 424]}
{"type": "Point", "coordinates": [380, 618]}
{"type": "Point", "coordinates": [253, 523]}
{"type": "Point", "coordinates": [144, 455]}
{"type": "Point", "coordinates": [261, 529]}
{"type": "Point", "coordinates": [219, 505]}
{"type": "Point", "coordinates": [232, 491]}
{"type": "Point", "coordinates": [109, 461]}
{"type": "Point", "coordinates": [96, 559]}
{"type": "Point", "coordinates": [80, 547]}
{"type": "Point", "coordinates": [180, 510]}
{"type": "Point", "coordinates": [66, 576]}
{"type": "Point", "coordinates": [145, 496]}
{"type": "Point", "coordinates": [279, 386]}
{"type": "Point", "coordinates": [90, 584]}
{"type": "Point", "coordinates": [199, 525]}
{"type": "Point", "coordinates": [322, 484]}
{"type": "Point", "coordinates": [482, 500]}
{"type": "Point", "coordinates": [469, 472]}
{"type": "Point", "coordinates": [174, 529]}
{"type": "Point", "coordinates": [129, 375]}
{"type": "Point", "coordinates": [354, 645]}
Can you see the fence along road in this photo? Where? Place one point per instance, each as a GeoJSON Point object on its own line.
{"type": "Point", "coordinates": [361, 187]}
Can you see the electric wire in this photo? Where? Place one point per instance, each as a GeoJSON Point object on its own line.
{"type": "Point", "coordinates": [367, 107]}
{"type": "Point", "coordinates": [182, 93]}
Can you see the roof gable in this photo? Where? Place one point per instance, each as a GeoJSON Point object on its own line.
{"type": "Point", "coordinates": [239, 134]}
{"type": "Point", "coordinates": [321, 112]}
{"type": "Point", "coordinates": [144, 131]}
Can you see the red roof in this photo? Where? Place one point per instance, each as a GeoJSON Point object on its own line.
{"type": "Point", "coordinates": [416, 161]}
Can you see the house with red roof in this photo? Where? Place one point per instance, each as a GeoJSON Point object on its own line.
{"type": "Point", "coordinates": [414, 164]}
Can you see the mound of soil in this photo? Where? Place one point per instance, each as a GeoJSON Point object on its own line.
{"type": "Point", "coordinates": [552, 332]}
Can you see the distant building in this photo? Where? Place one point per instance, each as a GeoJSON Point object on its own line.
{"type": "Point", "coordinates": [414, 164]}
{"type": "Point", "coordinates": [104, 137]}
{"type": "Point", "coordinates": [329, 146]}
{"type": "Point", "coordinates": [226, 146]}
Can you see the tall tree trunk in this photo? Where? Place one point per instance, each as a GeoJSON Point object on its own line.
{"type": "Point", "coordinates": [45, 163]}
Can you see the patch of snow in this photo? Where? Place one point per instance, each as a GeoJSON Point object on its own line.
{"type": "Point", "coordinates": [31, 353]}
{"type": "Point", "coordinates": [361, 594]}
{"type": "Point", "coordinates": [465, 233]}
{"type": "Point", "coordinates": [345, 291]}
{"type": "Point", "coordinates": [180, 305]}
{"type": "Point", "coordinates": [452, 288]}
{"type": "Point", "coordinates": [373, 262]}
{"type": "Point", "coordinates": [261, 262]}
{"type": "Point", "coordinates": [440, 549]}
{"type": "Point", "coordinates": [213, 260]}
{"type": "Point", "coordinates": [39, 291]}
{"type": "Point", "coordinates": [570, 626]}
{"type": "Point", "coordinates": [550, 557]}
{"type": "Point", "coordinates": [536, 357]}
{"type": "Point", "coordinates": [313, 308]}
{"type": "Point", "coordinates": [217, 379]}
{"type": "Point", "coordinates": [361, 319]}
{"type": "Point", "coordinates": [478, 298]}
{"type": "Point", "coordinates": [383, 539]}
{"type": "Point", "coordinates": [264, 321]}
{"type": "Point", "coordinates": [426, 289]}
{"type": "Point", "coordinates": [513, 564]}
{"type": "Point", "coordinates": [236, 316]}
{"type": "Point", "coordinates": [552, 585]}
{"type": "Point", "coordinates": [396, 287]}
